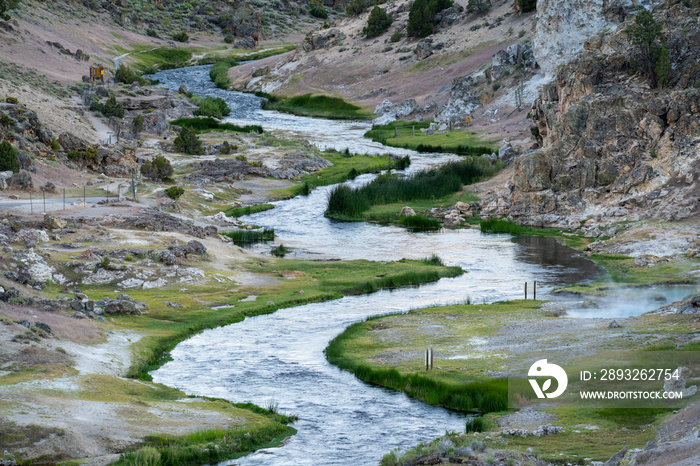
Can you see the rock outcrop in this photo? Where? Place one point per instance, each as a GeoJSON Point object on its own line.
{"type": "Point", "coordinates": [613, 149]}
{"type": "Point", "coordinates": [388, 112]}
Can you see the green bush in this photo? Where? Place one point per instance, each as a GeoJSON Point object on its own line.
{"type": "Point", "coordinates": [12, 100]}
{"type": "Point", "coordinates": [478, 6]}
{"type": "Point", "coordinates": [396, 36]}
{"type": "Point", "coordinates": [318, 12]}
{"type": "Point", "coordinates": [151, 33]}
{"type": "Point", "coordinates": [229, 39]}
{"type": "Point", "coordinates": [475, 424]}
{"type": "Point", "coordinates": [157, 169]}
{"type": "Point", "coordinates": [212, 107]}
{"type": "Point", "coordinates": [527, 6]}
{"type": "Point", "coordinates": [8, 157]}
{"type": "Point", "coordinates": [55, 146]}
{"type": "Point", "coordinates": [126, 75]}
{"type": "Point", "coordinates": [137, 124]}
{"type": "Point", "coordinates": [188, 142]}
{"type": "Point", "coordinates": [356, 7]}
{"type": "Point", "coordinates": [377, 23]}
{"type": "Point", "coordinates": [175, 192]}
{"type": "Point", "coordinates": [181, 36]}
{"type": "Point", "coordinates": [5, 6]}
{"type": "Point", "coordinates": [219, 72]}
{"type": "Point", "coordinates": [111, 108]}
{"type": "Point", "coordinates": [421, 14]}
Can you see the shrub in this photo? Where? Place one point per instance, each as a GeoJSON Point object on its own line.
{"type": "Point", "coordinates": [318, 12]}
{"type": "Point", "coordinates": [8, 157]}
{"type": "Point", "coordinates": [280, 251]}
{"type": "Point", "coordinates": [157, 169]}
{"type": "Point", "coordinates": [356, 7]}
{"type": "Point", "coordinates": [137, 124]}
{"type": "Point", "coordinates": [229, 39]}
{"type": "Point", "coordinates": [396, 36]}
{"type": "Point", "coordinates": [188, 142]}
{"type": "Point", "coordinates": [527, 6]}
{"type": "Point", "coordinates": [212, 107]}
{"type": "Point", "coordinates": [5, 6]}
{"type": "Point", "coordinates": [12, 100]}
{"type": "Point", "coordinates": [421, 14]}
{"type": "Point", "coordinates": [126, 75]}
{"type": "Point", "coordinates": [151, 33]}
{"type": "Point", "coordinates": [479, 6]}
{"type": "Point", "coordinates": [377, 23]}
{"type": "Point", "coordinates": [475, 424]}
{"type": "Point", "coordinates": [181, 36]}
{"type": "Point", "coordinates": [175, 192]}
{"type": "Point", "coordinates": [420, 222]}
{"type": "Point", "coordinates": [243, 237]}
{"type": "Point", "coordinates": [55, 146]}
{"type": "Point", "coordinates": [111, 108]}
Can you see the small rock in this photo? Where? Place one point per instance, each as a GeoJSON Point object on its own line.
{"type": "Point", "coordinates": [54, 223]}
{"type": "Point", "coordinates": [614, 324]}
{"type": "Point", "coordinates": [407, 212]}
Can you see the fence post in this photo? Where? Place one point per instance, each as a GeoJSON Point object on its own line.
{"type": "Point", "coordinates": [396, 132]}
{"type": "Point", "coordinates": [534, 290]}
{"type": "Point", "coordinates": [413, 130]}
{"type": "Point", "coordinates": [31, 203]}
{"type": "Point", "coordinates": [431, 358]}
{"type": "Point", "coordinates": [426, 360]}
{"type": "Point", "coordinates": [64, 198]}
{"type": "Point", "coordinates": [133, 188]}
{"type": "Point", "coordinates": [43, 193]}
{"type": "Point", "coordinates": [525, 290]}
{"type": "Point", "coordinates": [84, 198]}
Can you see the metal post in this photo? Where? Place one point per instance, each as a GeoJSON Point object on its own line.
{"type": "Point", "coordinates": [64, 198]}
{"type": "Point", "coordinates": [431, 358]}
{"type": "Point", "coordinates": [31, 203]}
{"type": "Point", "coordinates": [525, 290]}
{"type": "Point", "coordinates": [133, 187]}
{"type": "Point", "coordinates": [426, 360]}
{"type": "Point", "coordinates": [534, 290]}
{"type": "Point", "coordinates": [396, 132]}
{"type": "Point", "coordinates": [43, 193]}
{"type": "Point", "coordinates": [413, 130]}
{"type": "Point", "coordinates": [84, 198]}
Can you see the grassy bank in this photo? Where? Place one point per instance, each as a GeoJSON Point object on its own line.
{"type": "Point", "coordinates": [408, 135]}
{"type": "Point", "coordinates": [164, 326]}
{"type": "Point", "coordinates": [319, 106]}
{"type": "Point", "coordinates": [202, 125]}
{"type": "Point", "coordinates": [222, 64]}
{"type": "Point", "coordinates": [346, 203]}
{"type": "Point", "coordinates": [248, 210]}
{"type": "Point", "coordinates": [345, 167]}
{"type": "Point", "coordinates": [468, 345]}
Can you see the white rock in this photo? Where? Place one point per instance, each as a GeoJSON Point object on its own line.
{"type": "Point", "coordinates": [131, 283]}
{"type": "Point", "coordinates": [159, 283]}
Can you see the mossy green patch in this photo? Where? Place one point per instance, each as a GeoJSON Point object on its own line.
{"type": "Point", "coordinates": [408, 135]}
{"type": "Point", "coordinates": [319, 106]}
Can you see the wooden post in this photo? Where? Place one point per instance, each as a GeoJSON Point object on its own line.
{"type": "Point", "coordinates": [525, 290]}
{"type": "Point", "coordinates": [84, 198]}
{"type": "Point", "coordinates": [431, 358]}
{"type": "Point", "coordinates": [413, 130]}
{"type": "Point", "coordinates": [31, 203]}
{"type": "Point", "coordinates": [64, 198]}
{"type": "Point", "coordinates": [534, 290]}
{"type": "Point", "coordinates": [396, 132]}
{"type": "Point", "coordinates": [43, 193]}
{"type": "Point", "coordinates": [426, 360]}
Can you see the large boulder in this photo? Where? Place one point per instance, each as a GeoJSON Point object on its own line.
{"type": "Point", "coordinates": [388, 111]}
{"type": "Point", "coordinates": [424, 49]}
{"type": "Point", "coordinates": [54, 223]}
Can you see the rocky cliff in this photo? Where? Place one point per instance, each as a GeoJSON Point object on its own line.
{"type": "Point", "coordinates": [612, 148]}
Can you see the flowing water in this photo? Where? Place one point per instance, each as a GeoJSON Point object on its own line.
{"type": "Point", "coordinates": [279, 357]}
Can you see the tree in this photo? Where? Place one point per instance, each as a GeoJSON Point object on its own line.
{"type": "Point", "coordinates": [8, 158]}
{"type": "Point", "coordinates": [174, 192]}
{"type": "Point", "coordinates": [652, 58]}
{"type": "Point", "coordinates": [377, 23]}
{"type": "Point", "coordinates": [157, 169]}
{"type": "Point", "coordinates": [527, 6]}
{"type": "Point", "coordinates": [112, 108]}
{"type": "Point", "coordinates": [355, 7]}
{"type": "Point", "coordinates": [137, 124]}
{"type": "Point", "coordinates": [421, 14]}
{"type": "Point", "coordinates": [7, 5]}
{"type": "Point", "coordinates": [188, 142]}
{"type": "Point", "coordinates": [181, 36]}
{"type": "Point", "coordinates": [478, 6]}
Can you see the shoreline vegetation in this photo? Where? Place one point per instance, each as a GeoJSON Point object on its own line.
{"type": "Point", "coordinates": [408, 135]}
{"type": "Point", "coordinates": [345, 167]}
{"type": "Point", "coordinates": [346, 203]}
{"type": "Point", "coordinates": [318, 106]}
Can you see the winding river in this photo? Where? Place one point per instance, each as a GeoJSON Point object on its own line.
{"type": "Point", "coordinates": [279, 357]}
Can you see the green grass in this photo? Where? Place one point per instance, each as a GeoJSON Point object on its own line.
{"type": "Point", "coordinates": [344, 168]}
{"type": "Point", "coordinates": [206, 447]}
{"type": "Point", "coordinates": [346, 203]}
{"type": "Point", "coordinates": [280, 251]}
{"type": "Point", "coordinates": [244, 237]}
{"type": "Point", "coordinates": [248, 210]}
{"type": "Point", "coordinates": [219, 72]}
{"type": "Point", "coordinates": [319, 106]}
{"type": "Point", "coordinates": [201, 125]}
{"type": "Point", "coordinates": [162, 58]}
{"type": "Point", "coordinates": [420, 222]}
{"type": "Point", "coordinates": [455, 142]}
